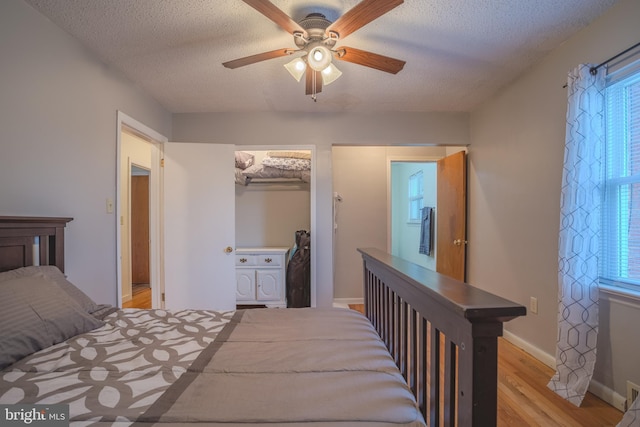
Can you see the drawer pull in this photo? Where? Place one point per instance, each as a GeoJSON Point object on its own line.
{"type": "Point", "coordinates": [268, 260]}
{"type": "Point", "coordinates": [243, 260]}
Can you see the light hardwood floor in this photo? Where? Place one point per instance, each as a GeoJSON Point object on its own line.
{"type": "Point", "coordinates": [141, 297]}
{"type": "Point", "coordinates": [525, 400]}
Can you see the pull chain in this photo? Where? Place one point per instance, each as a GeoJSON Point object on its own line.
{"type": "Point", "coordinates": [313, 82]}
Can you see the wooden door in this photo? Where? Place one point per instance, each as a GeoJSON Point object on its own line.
{"type": "Point", "coordinates": [140, 229]}
{"type": "Point", "coordinates": [199, 226]}
{"type": "Point", "coordinates": [451, 216]}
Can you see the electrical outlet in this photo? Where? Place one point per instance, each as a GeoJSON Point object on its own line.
{"type": "Point", "coordinates": [533, 305]}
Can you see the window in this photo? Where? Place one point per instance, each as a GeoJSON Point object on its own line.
{"type": "Point", "coordinates": [621, 205]}
{"type": "Point", "coordinates": [416, 197]}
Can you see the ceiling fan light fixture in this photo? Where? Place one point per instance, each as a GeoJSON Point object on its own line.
{"type": "Point", "coordinates": [319, 57]}
{"type": "Point", "coordinates": [317, 37]}
{"type": "Point", "coordinates": [330, 74]}
{"type": "Point", "coordinates": [296, 68]}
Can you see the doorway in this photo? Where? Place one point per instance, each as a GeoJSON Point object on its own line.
{"type": "Point", "coordinates": [134, 221]}
{"type": "Point", "coordinates": [413, 186]}
{"type": "Point", "coordinates": [271, 210]}
{"type": "Point", "coordinates": [139, 248]}
{"type": "Point", "coordinates": [445, 193]}
{"type": "Point", "coordinates": [141, 293]}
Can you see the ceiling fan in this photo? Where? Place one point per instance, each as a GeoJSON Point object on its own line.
{"type": "Point", "coordinates": [317, 37]}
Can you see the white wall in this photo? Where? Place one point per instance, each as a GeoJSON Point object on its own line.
{"type": "Point", "coordinates": [269, 215]}
{"type": "Point", "coordinates": [515, 157]}
{"type": "Point", "coordinates": [58, 108]}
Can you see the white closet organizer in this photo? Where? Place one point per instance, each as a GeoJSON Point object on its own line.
{"type": "Point", "coordinates": [261, 276]}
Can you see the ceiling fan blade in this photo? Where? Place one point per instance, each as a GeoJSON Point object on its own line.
{"type": "Point", "coordinates": [309, 80]}
{"type": "Point", "coordinates": [368, 59]}
{"type": "Point", "coordinates": [360, 15]}
{"type": "Point", "coordinates": [272, 12]}
{"type": "Point", "coordinates": [241, 62]}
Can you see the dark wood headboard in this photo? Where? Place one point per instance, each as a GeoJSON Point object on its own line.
{"type": "Point", "coordinates": [18, 235]}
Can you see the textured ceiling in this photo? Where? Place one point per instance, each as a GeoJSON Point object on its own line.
{"type": "Point", "coordinates": [458, 52]}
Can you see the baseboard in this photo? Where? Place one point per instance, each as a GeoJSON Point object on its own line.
{"type": "Point", "coordinates": [542, 356]}
{"type": "Point", "coordinates": [346, 301]}
{"type": "Point", "coordinates": [603, 392]}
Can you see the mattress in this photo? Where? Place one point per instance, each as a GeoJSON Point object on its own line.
{"type": "Point", "coordinates": [260, 367]}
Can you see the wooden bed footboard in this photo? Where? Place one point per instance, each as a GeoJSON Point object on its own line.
{"type": "Point", "coordinates": [443, 335]}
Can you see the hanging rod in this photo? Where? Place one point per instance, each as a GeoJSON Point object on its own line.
{"type": "Point", "coordinates": [594, 70]}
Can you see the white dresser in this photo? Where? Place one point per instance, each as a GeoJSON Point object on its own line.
{"type": "Point", "coordinates": [261, 276]}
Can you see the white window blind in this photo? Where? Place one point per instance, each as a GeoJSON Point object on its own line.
{"type": "Point", "coordinates": [621, 204]}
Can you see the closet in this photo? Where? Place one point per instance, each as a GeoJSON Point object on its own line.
{"type": "Point", "coordinates": [272, 203]}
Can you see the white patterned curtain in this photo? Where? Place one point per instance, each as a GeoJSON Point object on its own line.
{"type": "Point", "coordinates": [579, 235]}
{"type": "Point", "coordinates": [631, 418]}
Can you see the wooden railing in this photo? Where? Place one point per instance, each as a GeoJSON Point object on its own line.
{"type": "Point", "coordinates": [443, 335]}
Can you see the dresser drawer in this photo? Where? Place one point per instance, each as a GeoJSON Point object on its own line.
{"type": "Point", "coordinates": [267, 260]}
{"type": "Point", "coordinates": [246, 260]}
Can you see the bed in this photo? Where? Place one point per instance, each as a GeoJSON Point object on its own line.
{"type": "Point", "coordinates": [299, 367]}
{"type": "Point", "coordinates": [426, 350]}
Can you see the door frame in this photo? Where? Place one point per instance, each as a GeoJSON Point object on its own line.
{"type": "Point", "coordinates": [313, 207]}
{"type": "Point", "coordinates": [156, 141]}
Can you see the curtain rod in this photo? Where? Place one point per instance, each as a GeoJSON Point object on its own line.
{"type": "Point", "coordinates": [594, 70]}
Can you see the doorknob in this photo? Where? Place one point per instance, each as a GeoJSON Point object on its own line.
{"type": "Point", "coordinates": [228, 250]}
{"type": "Point", "coordinates": [458, 242]}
